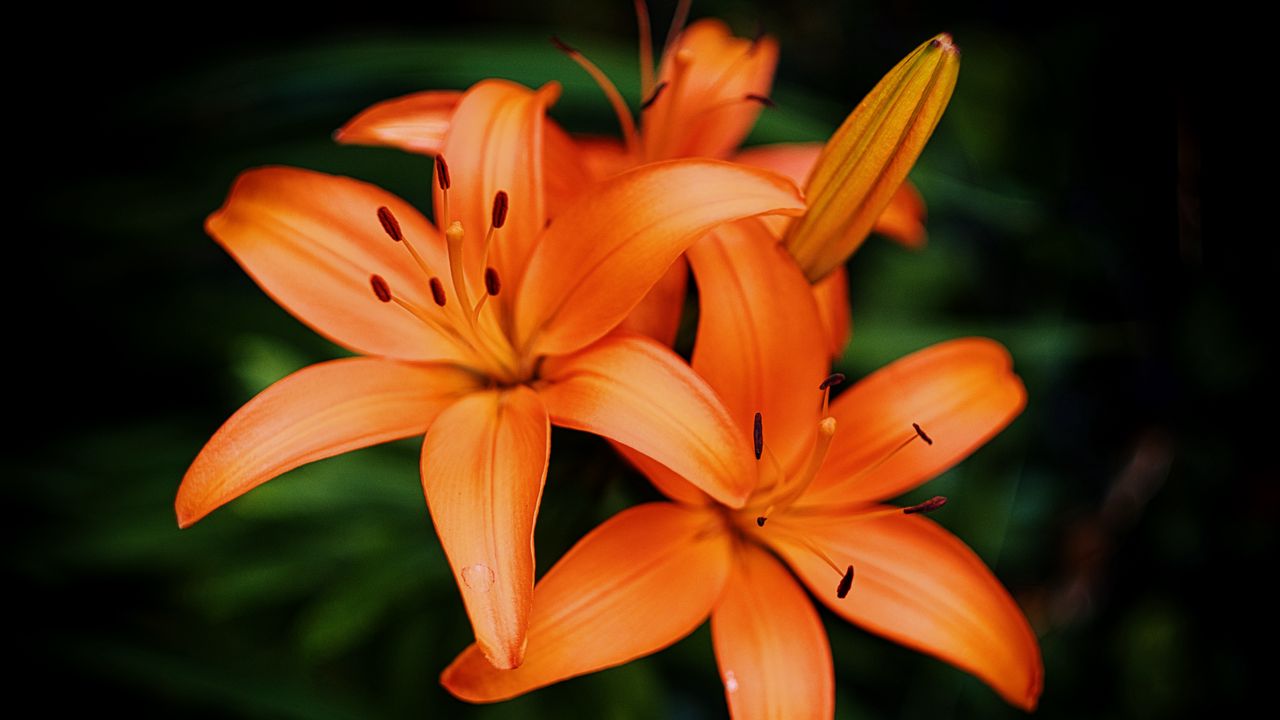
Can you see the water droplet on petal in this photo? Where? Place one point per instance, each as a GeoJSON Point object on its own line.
{"type": "Point", "coordinates": [730, 681]}
{"type": "Point", "coordinates": [477, 577]}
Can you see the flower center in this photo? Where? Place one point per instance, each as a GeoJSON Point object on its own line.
{"type": "Point", "coordinates": [779, 491]}
{"type": "Point", "coordinates": [459, 318]}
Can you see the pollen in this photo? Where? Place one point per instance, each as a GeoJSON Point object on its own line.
{"type": "Point", "coordinates": [492, 283]}
{"type": "Point", "coordinates": [390, 225]}
{"type": "Point", "coordinates": [380, 288]}
{"type": "Point", "coordinates": [437, 291]}
{"type": "Point", "coordinates": [500, 205]}
{"type": "Point", "coordinates": [846, 582]}
{"type": "Point", "coordinates": [927, 506]}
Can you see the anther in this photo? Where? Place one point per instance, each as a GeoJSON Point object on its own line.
{"type": "Point", "coordinates": [831, 381]}
{"type": "Point", "coordinates": [442, 173]}
{"type": "Point", "coordinates": [437, 291]}
{"type": "Point", "coordinates": [762, 99]}
{"type": "Point", "coordinates": [653, 97]}
{"type": "Point", "coordinates": [757, 434]}
{"type": "Point", "coordinates": [492, 283]}
{"type": "Point", "coordinates": [927, 506]}
{"type": "Point", "coordinates": [846, 582]}
{"type": "Point", "coordinates": [390, 225]}
{"type": "Point", "coordinates": [380, 288]}
{"type": "Point", "coordinates": [919, 431]}
{"type": "Point", "coordinates": [500, 203]}
{"type": "Point", "coordinates": [761, 520]}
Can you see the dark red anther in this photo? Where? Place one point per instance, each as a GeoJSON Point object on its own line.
{"type": "Point", "coordinates": [390, 225]}
{"type": "Point", "coordinates": [927, 506]}
{"type": "Point", "coordinates": [755, 39]}
{"type": "Point", "coordinates": [761, 520]}
{"type": "Point", "coordinates": [846, 582]}
{"type": "Point", "coordinates": [380, 288]}
{"type": "Point", "coordinates": [832, 380]}
{"type": "Point", "coordinates": [562, 46]}
{"type": "Point", "coordinates": [500, 203]}
{"type": "Point", "coordinates": [442, 173]}
{"type": "Point", "coordinates": [653, 98]}
{"type": "Point", "coordinates": [492, 283]}
{"type": "Point", "coordinates": [762, 99]}
{"type": "Point", "coordinates": [757, 434]}
{"type": "Point", "coordinates": [437, 291]}
{"type": "Point", "coordinates": [921, 433]}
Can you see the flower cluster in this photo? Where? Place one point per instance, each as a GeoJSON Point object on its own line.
{"type": "Point", "coordinates": [548, 289]}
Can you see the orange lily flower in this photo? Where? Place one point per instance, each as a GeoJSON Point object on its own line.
{"type": "Point", "coordinates": [480, 333]}
{"type": "Point", "coordinates": [653, 573]}
{"type": "Point", "coordinates": [709, 89]}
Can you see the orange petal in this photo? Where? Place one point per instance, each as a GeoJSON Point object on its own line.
{"type": "Point", "coordinates": [312, 241]}
{"type": "Point", "coordinates": [770, 645]}
{"type": "Point", "coordinates": [761, 342]}
{"type": "Point", "coordinates": [866, 160]}
{"type": "Point", "coordinates": [704, 111]}
{"type": "Point", "coordinates": [416, 123]}
{"type": "Point", "coordinates": [960, 392]}
{"type": "Point", "coordinates": [658, 314]}
{"type": "Point", "coordinates": [667, 482]}
{"type": "Point", "coordinates": [564, 171]}
{"type": "Point", "coordinates": [918, 585]}
{"type": "Point", "coordinates": [496, 142]}
{"type": "Point", "coordinates": [901, 220]}
{"type": "Point", "coordinates": [832, 294]}
{"type": "Point", "coordinates": [483, 466]}
{"type": "Point", "coordinates": [641, 581]}
{"type": "Point", "coordinates": [317, 412]}
{"type": "Point", "coordinates": [603, 156]}
{"type": "Point", "coordinates": [633, 390]}
{"type": "Point", "coordinates": [600, 257]}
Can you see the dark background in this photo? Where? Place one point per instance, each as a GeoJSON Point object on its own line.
{"type": "Point", "coordinates": [1127, 509]}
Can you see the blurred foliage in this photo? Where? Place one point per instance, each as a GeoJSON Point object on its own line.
{"type": "Point", "coordinates": [325, 594]}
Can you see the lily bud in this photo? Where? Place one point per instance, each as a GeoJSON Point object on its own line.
{"type": "Point", "coordinates": [867, 159]}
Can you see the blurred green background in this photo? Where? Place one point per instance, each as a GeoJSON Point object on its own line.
{"type": "Point", "coordinates": [1063, 188]}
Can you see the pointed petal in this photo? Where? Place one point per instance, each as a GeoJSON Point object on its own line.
{"type": "Point", "coordinates": [761, 342]}
{"type": "Point", "coordinates": [564, 170]}
{"type": "Point", "coordinates": [832, 295]}
{"type": "Point", "coordinates": [599, 258]}
{"type": "Point", "coordinates": [918, 585]}
{"type": "Point", "coordinates": [667, 482]}
{"type": "Point", "coordinates": [704, 110]}
{"type": "Point", "coordinates": [902, 219]}
{"type": "Point", "coordinates": [770, 644]}
{"type": "Point", "coordinates": [603, 156]}
{"type": "Point", "coordinates": [496, 142]}
{"type": "Point", "coordinates": [317, 412]}
{"type": "Point", "coordinates": [312, 241]}
{"type": "Point", "coordinates": [416, 123]}
{"type": "Point", "coordinates": [866, 160]}
{"type": "Point", "coordinates": [483, 467]}
{"type": "Point", "coordinates": [658, 314]}
{"type": "Point", "coordinates": [639, 582]}
{"type": "Point", "coordinates": [961, 392]}
{"type": "Point", "coordinates": [630, 389]}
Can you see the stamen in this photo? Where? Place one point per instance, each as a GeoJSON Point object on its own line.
{"type": "Point", "coordinates": [610, 92]}
{"type": "Point", "coordinates": [442, 179]}
{"type": "Point", "coordinates": [818, 455]}
{"type": "Point", "coordinates": [500, 204]}
{"type": "Point", "coordinates": [380, 288]}
{"type": "Point", "coordinates": [453, 241]}
{"type": "Point", "coordinates": [832, 380]}
{"type": "Point", "coordinates": [657, 92]}
{"type": "Point", "coordinates": [927, 506]}
{"type": "Point", "coordinates": [390, 225]}
{"type": "Point", "coordinates": [492, 283]}
{"type": "Point", "coordinates": [761, 520]}
{"type": "Point", "coordinates": [764, 100]}
{"type": "Point", "coordinates": [437, 292]}
{"type": "Point", "coordinates": [757, 434]}
{"type": "Point", "coordinates": [646, 46]}
{"type": "Point", "coordinates": [846, 582]}
{"type": "Point", "coordinates": [677, 23]}
{"type": "Point", "coordinates": [922, 434]}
